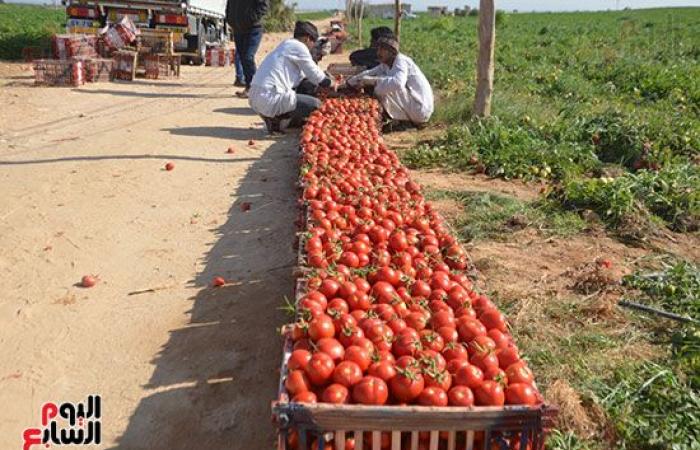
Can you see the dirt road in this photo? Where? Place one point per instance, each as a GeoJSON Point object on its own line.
{"type": "Point", "coordinates": [184, 365]}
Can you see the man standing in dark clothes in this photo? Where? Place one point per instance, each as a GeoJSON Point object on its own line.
{"type": "Point", "coordinates": [245, 17]}
{"type": "Point", "coordinates": [367, 57]}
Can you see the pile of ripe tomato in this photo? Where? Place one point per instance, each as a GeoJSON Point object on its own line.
{"type": "Point", "coordinates": [388, 315]}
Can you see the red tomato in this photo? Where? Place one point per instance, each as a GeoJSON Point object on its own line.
{"type": "Point", "coordinates": [454, 365]}
{"type": "Point", "coordinates": [432, 396]}
{"type": "Point", "coordinates": [407, 385]}
{"type": "Point", "coordinates": [460, 396]}
{"type": "Point", "coordinates": [484, 360]}
{"type": "Point", "coordinates": [347, 373]}
{"type": "Point", "coordinates": [335, 393]}
{"type": "Point", "coordinates": [305, 397]}
{"type": "Point", "coordinates": [469, 375]}
{"type": "Point", "coordinates": [370, 391]}
{"type": "Point", "coordinates": [332, 348]}
{"type": "Point", "coordinates": [299, 359]}
{"type": "Point", "coordinates": [431, 340]}
{"type": "Point", "coordinates": [382, 369]}
{"type": "Point", "coordinates": [406, 343]}
{"type": "Point", "coordinates": [320, 368]}
{"type": "Point", "coordinates": [438, 378]}
{"type": "Point", "coordinates": [321, 327]}
{"type": "Point", "coordinates": [489, 393]}
{"type": "Point", "coordinates": [519, 372]}
{"type": "Point", "coordinates": [359, 355]}
{"type": "Point", "coordinates": [455, 350]}
{"type": "Point", "coordinates": [520, 394]}
{"type": "Point", "coordinates": [469, 329]}
{"type": "Point", "coordinates": [507, 356]}
{"type": "Point", "coordinates": [364, 343]}
{"type": "Point", "coordinates": [493, 319]}
{"type": "Point", "coordinates": [449, 334]}
{"type": "Point", "coordinates": [501, 339]}
{"type": "Point", "coordinates": [329, 287]}
{"type": "Point", "coordinates": [297, 382]}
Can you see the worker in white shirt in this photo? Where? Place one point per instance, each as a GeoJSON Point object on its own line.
{"type": "Point", "coordinates": [272, 92]}
{"type": "Point", "coordinates": [399, 84]}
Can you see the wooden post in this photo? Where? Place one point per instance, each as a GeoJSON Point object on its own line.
{"type": "Point", "coordinates": [359, 21]}
{"type": "Point", "coordinates": [397, 19]}
{"type": "Point", "coordinates": [348, 11]}
{"type": "Point", "coordinates": [485, 61]}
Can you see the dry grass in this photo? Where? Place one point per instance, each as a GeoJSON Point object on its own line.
{"type": "Point", "coordinates": [572, 414]}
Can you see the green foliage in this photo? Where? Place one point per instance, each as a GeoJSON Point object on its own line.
{"type": "Point", "coordinates": [506, 150]}
{"type": "Point", "coordinates": [280, 17]}
{"type": "Point", "coordinates": [314, 15]}
{"type": "Point", "coordinates": [574, 92]}
{"type": "Point", "coordinates": [675, 288]}
{"type": "Point", "coordinates": [490, 215]}
{"type": "Point", "coordinates": [672, 195]}
{"type": "Point", "coordinates": [559, 440]}
{"type": "Point", "coordinates": [652, 407]}
{"type": "Point", "coordinates": [501, 18]}
{"type": "Point", "coordinates": [28, 26]}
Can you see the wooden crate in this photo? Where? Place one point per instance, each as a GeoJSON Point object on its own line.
{"type": "Point", "coordinates": [124, 67]}
{"type": "Point", "coordinates": [451, 428]}
{"type": "Point", "coordinates": [161, 66]}
{"type": "Point", "coordinates": [66, 46]}
{"type": "Point", "coordinates": [57, 72]}
{"type": "Point", "coordinates": [411, 427]}
{"type": "Point", "coordinates": [155, 41]}
{"type": "Point", "coordinates": [98, 69]}
{"type": "Point", "coordinates": [344, 69]}
{"type": "Point", "coordinates": [219, 56]}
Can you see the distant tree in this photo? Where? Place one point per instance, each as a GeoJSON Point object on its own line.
{"type": "Point", "coordinates": [280, 17]}
{"type": "Point", "coordinates": [474, 12]}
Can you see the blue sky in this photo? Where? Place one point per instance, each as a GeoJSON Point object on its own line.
{"type": "Point", "coordinates": [521, 5]}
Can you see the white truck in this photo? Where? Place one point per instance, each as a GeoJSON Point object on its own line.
{"type": "Point", "coordinates": [195, 23]}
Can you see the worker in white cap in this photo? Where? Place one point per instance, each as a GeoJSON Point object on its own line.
{"type": "Point", "coordinates": [399, 84]}
{"type": "Point", "coordinates": [273, 92]}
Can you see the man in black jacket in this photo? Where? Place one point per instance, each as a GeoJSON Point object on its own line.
{"type": "Point", "coordinates": [245, 17]}
{"type": "Point", "coordinates": [367, 57]}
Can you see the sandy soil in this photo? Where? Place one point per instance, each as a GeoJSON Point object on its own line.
{"type": "Point", "coordinates": [184, 365]}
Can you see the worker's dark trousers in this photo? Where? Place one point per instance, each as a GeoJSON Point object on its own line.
{"type": "Point", "coordinates": [246, 46]}
{"type": "Point", "coordinates": [306, 104]}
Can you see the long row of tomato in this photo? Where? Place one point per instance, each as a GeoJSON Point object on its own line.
{"type": "Point", "coordinates": [388, 315]}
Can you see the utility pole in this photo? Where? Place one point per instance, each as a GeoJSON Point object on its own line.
{"type": "Point", "coordinates": [485, 61]}
{"type": "Point", "coordinates": [397, 19]}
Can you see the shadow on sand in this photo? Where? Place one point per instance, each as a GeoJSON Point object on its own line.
{"type": "Point", "coordinates": [214, 379]}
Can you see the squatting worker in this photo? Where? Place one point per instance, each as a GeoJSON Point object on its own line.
{"type": "Point", "coordinates": [246, 17]}
{"type": "Point", "coordinates": [367, 57]}
{"type": "Point", "coordinates": [399, 84]}
{"type": "Point", "coordinates": [272, 93]}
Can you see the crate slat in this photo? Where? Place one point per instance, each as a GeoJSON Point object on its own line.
{"type": "Point", "coordinates": [414, 440]}
{"type": "Point", "coordinates": [407, 418]}
{"type": "Point", "coordinates": [395, 440]}
{"type": "Point", "coordinates": [340, 440]}
{"type": "Point", "coordinates": [359, 440]}
{"type": "Point", "coordinates": [434, 437]}
{"type": "Point", "coordinates": [376, 440]}
{"type": "Point", "coordinates": [451, 440]}
{"type": "Point", "coordinates": [470, 441]}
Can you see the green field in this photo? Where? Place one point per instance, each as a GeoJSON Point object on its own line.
{"type": "Point", "coordinates": [28, 26]}
{"type": "Point", "coordinates": [577, 96]}
{"type": "Point", "coordinates": [603, 109]}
